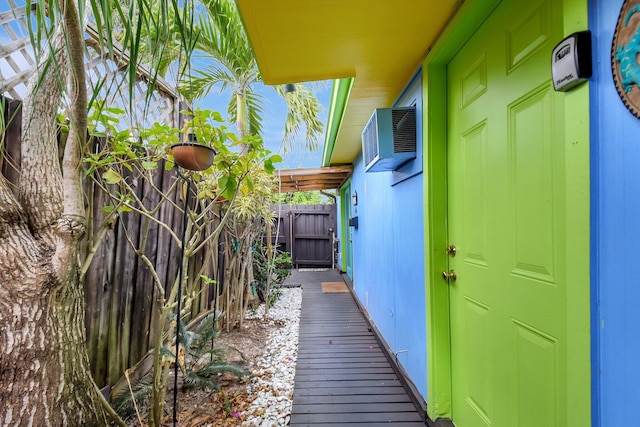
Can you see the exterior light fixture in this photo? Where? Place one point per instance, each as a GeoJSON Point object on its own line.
{"type": "Point", "coordinates": [289, 87]}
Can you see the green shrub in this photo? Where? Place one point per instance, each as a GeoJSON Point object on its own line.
{"type": "Point", "coordinates": [204, 359]}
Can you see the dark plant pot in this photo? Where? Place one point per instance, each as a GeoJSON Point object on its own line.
{"type": "Point", "coordinates": [195, 157]}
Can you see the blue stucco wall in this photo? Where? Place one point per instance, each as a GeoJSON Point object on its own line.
{"type": "Point", "coordinates": [615, 219]}
{"type": "Point", "coordinates": [388, 265]}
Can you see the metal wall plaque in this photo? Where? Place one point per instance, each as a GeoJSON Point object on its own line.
{"type": "Point", "coordinates": [625, 49]}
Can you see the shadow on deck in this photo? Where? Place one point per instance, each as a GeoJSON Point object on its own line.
{"type": "Point", "coordinates": [342, 375]}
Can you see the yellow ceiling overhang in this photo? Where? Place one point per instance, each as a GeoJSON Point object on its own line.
{"type": "Point", "coordinates": [380, 43]}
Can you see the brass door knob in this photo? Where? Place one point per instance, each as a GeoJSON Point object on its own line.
{"type": "Point", "coordinates": [451, 250]}
{"type": "Point", "coordinates": [450, 276]}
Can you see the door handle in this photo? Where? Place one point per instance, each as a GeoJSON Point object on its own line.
{"type": "Point", "coordinates": [450, 276]}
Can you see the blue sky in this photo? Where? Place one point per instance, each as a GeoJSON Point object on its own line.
{"type": "Point", "coordinates": [274, 106]}
{"type": "Point", "coordinates": [273, 119]}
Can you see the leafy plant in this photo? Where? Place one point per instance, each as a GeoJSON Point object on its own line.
{"type": "Point", "coordinates": [226, 196]}
{"type": "Point", "coordinates": [283, 264]}
{"type": "Point", "coordinates": [203, 361]}
{"type": "Point", "coordinates": [302, 198]}
{"type": "Point", "coordinates": [140, 390]}
{"type": "Point", "coordinates": [269, 274]}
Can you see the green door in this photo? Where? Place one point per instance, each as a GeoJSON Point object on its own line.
{"type": "Point", "coordinates": [348, 231]}
{"type": "Point", "coordinates": [506, 217]}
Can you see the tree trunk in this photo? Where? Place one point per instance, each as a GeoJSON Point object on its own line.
{"type": "Point", "coordinates": [44, 367]}
{"type": "Point", "coordinates": [242, 120]}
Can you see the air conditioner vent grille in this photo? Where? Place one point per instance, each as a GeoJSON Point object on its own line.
{"type": "Point", "coordinates": [404, 134]}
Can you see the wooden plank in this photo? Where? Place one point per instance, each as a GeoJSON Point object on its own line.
{"type": "Point", "coordinates": [348, 376]}
{"type": "Point", "coordinates": [164, 262]}
{"type": "Point", "coordinates": [337, 349]}
{"type": "Point", "coordinates": [351, 407]}
{"type": "Point", "coordinates": [339, 337]}
{"type": "Point", "coordinates": [373, 362]}
{"type": "Point", "coordinates": [352, 329]}
{"type": "Point", "coordinates": [348, 384]}
{"type": "Point", "coordinates": [12, 136]}
{"type": "Point", "coordinates": [352, 398]}
{"type": "Point", "coordinates": [336, 335]}
{"type": "Point", "coordinates": [339, 364]}
{"type": "Point", "coordinates": [346, 369]}
{"type": "Point", "coordinates": [308, 262]}
{"type": "Point", "coordinates": [313, 236]}
{"type": "Point", "coordinates": [349, 391]}
{"type": "Point", "coordinates": [342, 418]}
{"type": "Point", "coordinates": [356, 357]}
{"type": "Point", "coordinates": [349, 322]}
{"type": "Point", "coordinates": [125, 282]}
{"type": "Point", "coordinates": [341, 342]}
{"type": "Point", "coordinates": [143, 293]}
{"type": "Point", "coordinates": [335, 330]}
{"type": "Point", "coordinates": [98, 293]}
{"type": "Point", "coordinates": [342, 374]}
{"type": "Point", "coordinates": [369, 424]}
{"type": "Point", "coordinates": [348, 315]}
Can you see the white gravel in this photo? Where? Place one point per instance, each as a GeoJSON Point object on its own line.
{"type": "Point", "coordinates": [272, 381]}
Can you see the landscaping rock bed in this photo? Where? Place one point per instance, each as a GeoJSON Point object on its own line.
{"type": "Point", "coordinates": [269, 344]}
{"type": "Point", "coordinates": [272, 381]}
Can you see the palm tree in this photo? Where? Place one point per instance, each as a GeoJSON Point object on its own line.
{"type": "Point", "coordinates": [221, 37]}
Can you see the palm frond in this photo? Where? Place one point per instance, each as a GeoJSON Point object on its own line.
{"type": "Point", "coordinates": [123, 403]}
{"type": "Point", "coordinates": [199, 86]}
{"type": "Point", "coordinates": [204, 360]}
{"type": "Point", "coordinates": [202, 338]}
{"type": "Point", "coordinates": [193, 379]}
{"type": "Point", "coordinates": [212, 369]}
{"type": "Point", "coordinates": [165, 352]}
{"type": "Point", "coordinates": [303, 109]}
{"type": "Point", "coordinates": [220, 350]}
{"type": "Point", "coordinates": [224, 36]}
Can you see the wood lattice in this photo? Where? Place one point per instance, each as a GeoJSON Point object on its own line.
{"type": "Point", "coordinates": [16, 53]}
{"type": "Point", "coordinates": [18, 62]}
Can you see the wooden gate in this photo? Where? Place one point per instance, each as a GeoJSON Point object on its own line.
{"type": "Point", "coordinates": [307, 233]}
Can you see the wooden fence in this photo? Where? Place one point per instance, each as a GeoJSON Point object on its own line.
{"type": "Point", "coordinates": [122, 300]}
{"type": "Point", "coordinates": [123, 303]}
{"type": "Point", "coordinates": [307, 233]}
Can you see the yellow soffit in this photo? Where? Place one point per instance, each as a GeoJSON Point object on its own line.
{"type": "Point", "coordinates": [379, 42]}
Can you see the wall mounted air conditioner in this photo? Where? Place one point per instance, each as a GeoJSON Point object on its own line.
{"type": "Point", "coordinates": [389, 139]}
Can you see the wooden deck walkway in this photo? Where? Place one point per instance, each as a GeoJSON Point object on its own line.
{"type": "Point", "coordinates": [343, 377]}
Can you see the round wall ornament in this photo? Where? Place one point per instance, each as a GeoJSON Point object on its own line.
{"type": "Point", "coordinates": [625, 49]}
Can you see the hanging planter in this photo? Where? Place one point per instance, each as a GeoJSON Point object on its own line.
{"type": "Point", "coordinates": [191, 155]}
